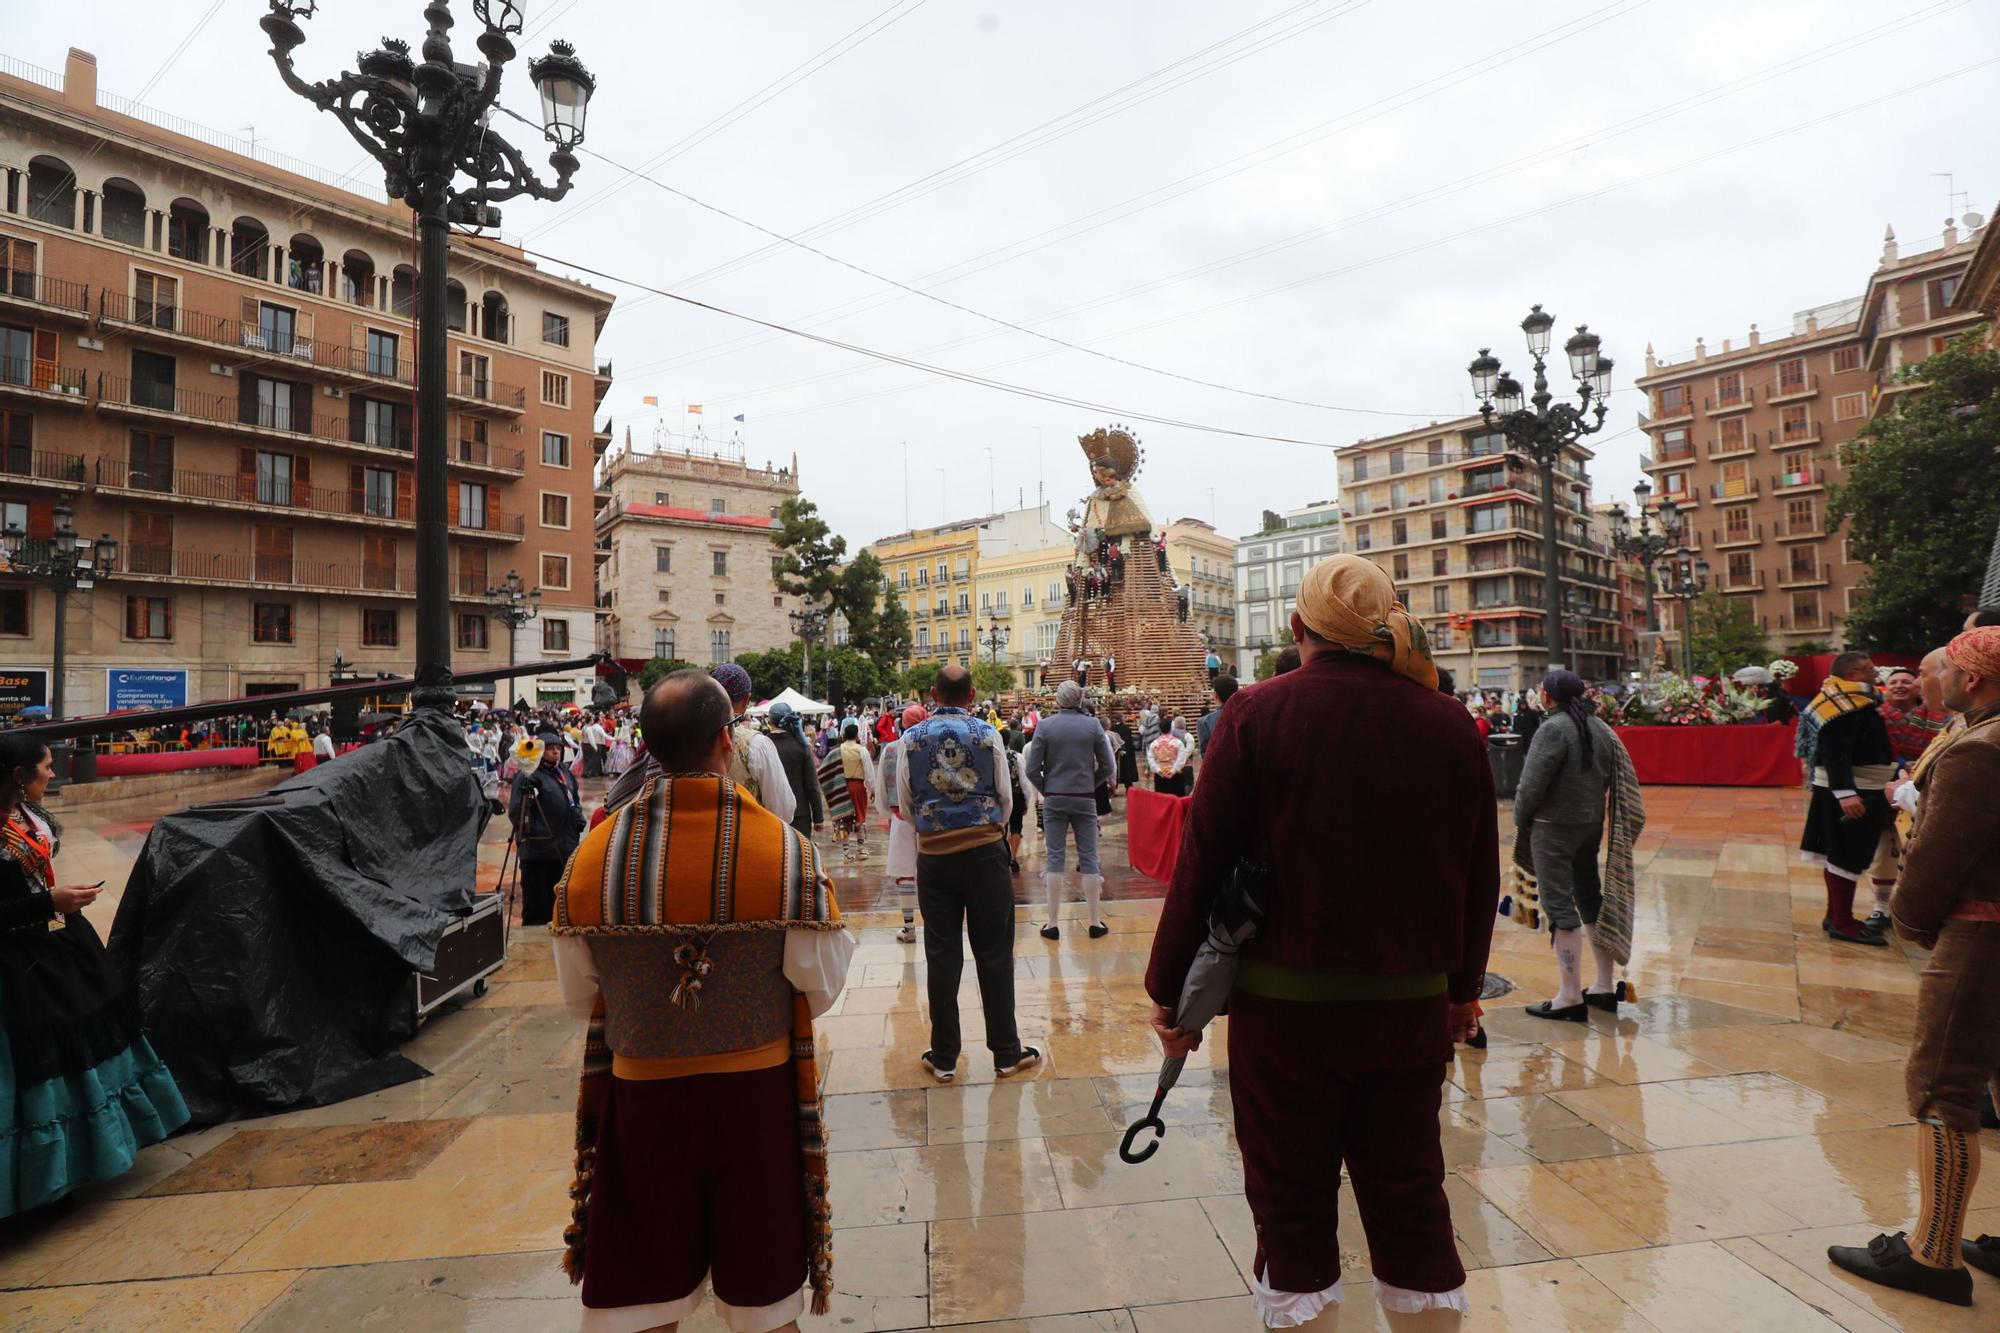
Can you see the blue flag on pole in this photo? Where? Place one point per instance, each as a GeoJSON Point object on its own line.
{"type": "Point", "coordinates": [739, 416]}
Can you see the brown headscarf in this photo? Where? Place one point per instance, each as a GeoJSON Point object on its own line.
{"type": "Point", "coordinates": [1977, 651]}
{"type": "Point", "coordinates": [1351, 604]}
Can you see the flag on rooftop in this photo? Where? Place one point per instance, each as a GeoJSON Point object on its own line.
{"type": "Point", "coordinates": [694, 409]}
{"type": "Point", "coordinates": [650, 401]}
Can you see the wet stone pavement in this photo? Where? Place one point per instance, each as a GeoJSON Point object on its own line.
{"type": "Point", "coordinates": [1680, 1168]}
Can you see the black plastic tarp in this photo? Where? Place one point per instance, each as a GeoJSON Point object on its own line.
{"type": "Point", "coordinates": [272, 940]}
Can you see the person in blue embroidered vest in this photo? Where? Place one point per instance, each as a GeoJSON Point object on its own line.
{"type": "Point", "coordinates": [952, 785]}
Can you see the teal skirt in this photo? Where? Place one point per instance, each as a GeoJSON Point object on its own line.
{"type": "Point", "coordinates": [81, 1126]}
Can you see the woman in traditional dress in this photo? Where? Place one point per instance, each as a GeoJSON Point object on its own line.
{"type": "Point", "coordinates": [1169, 757]}
{"type": "Point", "coordinates": [621, 747]}
{"type": "Point", "coordinates": [81, 1090]}
{"type": "Point", "coordinates": [1125, 745]}
{"type": "Point", "coordinates": [832, 778]}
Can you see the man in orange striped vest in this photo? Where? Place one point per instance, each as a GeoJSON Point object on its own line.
{"type": "Point", "coordinates": [698, 934]}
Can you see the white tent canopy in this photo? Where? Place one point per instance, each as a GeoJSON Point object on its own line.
{"type": "Point", "coordinates": [800, 704]}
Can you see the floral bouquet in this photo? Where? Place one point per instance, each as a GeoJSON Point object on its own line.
{"type": "Point", "coordinates": [1784, 669]}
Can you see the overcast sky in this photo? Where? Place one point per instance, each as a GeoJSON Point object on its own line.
{"type": "Point", "coordinates": [1334, 202]}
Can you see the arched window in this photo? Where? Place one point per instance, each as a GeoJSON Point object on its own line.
{"type": "Point", "coordinates": [454, 305]}
{"type": "Point", "coordinates": [187, 231]}
{"type": "Point", "coordinates": [403, 290]}
{"type": "Point", "coordinates": [495, 324]}
{"type": "Point", "coordinates": [305, 264]}
{"type": "Point", "coordinates": [52, 192]}
{"type": "Point", "coordinates": [124, 212]}
{"type": "Point", "coordinates": [357, 278]}
{"type": "Point", "coordinates": [249, 248]}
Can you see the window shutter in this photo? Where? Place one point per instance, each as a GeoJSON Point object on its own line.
{"type": "Point", "coordinates": [252, 324]}
{"type": "Point", "coordinates": [357, 413]}
{"type": "Point", "coordinates": [169, 603]}
{"type": "Point", "coordinates": [451, 494]}
{"type": "Point", "coordinates": [357, 482]}
{"type": "Point", "coordinates": [303, 323]}
{"type": "Point", "coordinates": [246, 475]}
{"type": "Point", "coordinates": [406, 494]}
{"type": "Point", "coordinates": [302, 481]}
{"type": "Point", "coordinates": [41, 519]}
{"type": "Point", "coordinates": [132, 605]}
{"type": "Point", "coordinates": [45, 359]}
{"type": "Point", "coordinates": [246, 398]}
{"type": "Point", "coordinates": [302, 408]}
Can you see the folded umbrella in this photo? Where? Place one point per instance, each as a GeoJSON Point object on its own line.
{"type": "Point", "coordinates": [1235, 920]}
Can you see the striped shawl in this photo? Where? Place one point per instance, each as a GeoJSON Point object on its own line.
{"type": "Point", "coordinates": [690, 857]}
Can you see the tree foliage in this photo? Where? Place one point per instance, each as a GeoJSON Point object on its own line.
{"type": "Point", "coordinates": [854, 597]}
{"type": "Point", "coordinates": [992, 679]}
{"type": "Point", "coordinates": [1267, 661]}
{"type": "Point", "coordinates": [773, 673]}
{"type": "Point", "coordinates": [1726, 635]}
{"type": "Point", "coordinates": [658, 669]}
{"type": "Point", "coordinates": [807, 565]}
{"type": "Point", "coordinates": [918, 678]}
{"type": "Point", "coordinates": [890, 642]}
{"type": "Point", "coordinates": [1921, 499]}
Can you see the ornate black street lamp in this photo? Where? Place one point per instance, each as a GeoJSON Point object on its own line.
{"type": "Point", "coordinates": [63, 560]}
{"type": "Point", "coordinates": [1648, 544]}
{"type": "Point", "coordinates": [997, 636]}
{"type": "Point", "coordinates": [513, 606]}
{"type": "Point", "coordinates": [1544, 429]}
{"type": "Point", "coordinates": [427, 124]}
{"type": "Point", "coordinates": [809, 623]}
{"type": "Point", "coordinates": [1685, 579]}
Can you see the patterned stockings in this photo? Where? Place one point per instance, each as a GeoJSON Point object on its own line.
{"type": "Point", "coordinates": [1947, 1168]}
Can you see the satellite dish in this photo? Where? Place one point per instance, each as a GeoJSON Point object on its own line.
{"type": "Point", "coordinates": [1974, 221]}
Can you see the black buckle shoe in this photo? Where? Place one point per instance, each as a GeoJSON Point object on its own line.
{"type": "Point", "coordinates": [1856, 934]}
{"type": "Point", "coordinates": [1575, 1013]}
{"type": "Point", "coordinates": [1887, 1262]}
{"type": "Point", "coordinates": [1606, 1000]}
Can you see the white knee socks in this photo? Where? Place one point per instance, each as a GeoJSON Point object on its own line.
{"type": "Point", "coordinates": [1093, 890]}
{"type": "Point", "coordinates": [906, 889]}
{"type": "Point", "coordinates": [1052, 885]}
{"type": "Point", "coordinates": [1569, 960]}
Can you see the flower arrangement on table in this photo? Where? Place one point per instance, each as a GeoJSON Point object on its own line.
{"type": "Point", "coordinates": [1784, 669]}
{"type": "Point", "coordinates": [1691, 701]}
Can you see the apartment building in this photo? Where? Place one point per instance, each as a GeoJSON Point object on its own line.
{"type": "Point", "coordinates": [933, 571]}
{"type": "Point", "coordinates": [1746, 439]}
{"type": "Point", "coordinates": [1022, 593]}
{"type": "Point", "coordinates": [1634, 642]}
{"type": "Point", "coordinates": [1453, 513]}
{"type": "Point", "coordinates": [1204, 562]}
{"type": "Point", "coordinates": [211, 359]}
{"type": "Point", "coordinates": [685, 548]}
{"type": "Point", "coordinates": [1269, 564]}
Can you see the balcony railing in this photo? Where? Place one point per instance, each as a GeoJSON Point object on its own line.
{"type": "Point", "coordinates": [1815, 577]}
{"type": "Point", "coordinates": [40, 289]}
{"type": "Point", "coordinates": [1673, 453]}
{"type": "Point", "coordinates": [1785, 529]}
{"type": "Point", "coordinates": [194, 563]}
{"type": "Point", "coordinates": [41, 464]}
{"type": "Point", "coordinates": [1748, 535]}
{"type": "Point", "coordinates": [1730, 402]}
{"type": "Point", "coordinates": [480, 389]}
{"type": "Point", "coordinates": [41, 376]}
{"type": "Point", "coordinates": [1746, 489]}
{"type": "Point", "coordinates": [1799, 481]}
{"type": "Point", "coordinates": [1803, 387]}
{"type": "Point", "coordinates": [289, 495]}
{"type": "Point", "coordinates": [1666, 411]}
{"type": "Point", "coordinates": [1796, 432]}
{"type": "Point", "coordinates": [280, 342]}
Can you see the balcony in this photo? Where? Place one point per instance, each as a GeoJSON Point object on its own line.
{"type": "Point", "coordinates": [1749, 583]}
{"type": "Point", "coordinates": [1746, 488]}
{"type": "Point", "coordinates": [1793, 483]}
{"type": "Point", "coordinates": [281, 345]}
{"type": "Point", "coordinates": [54, 298]}
{"type": "Point", "coordinates": [477, 393]}
{"type": "Point", "coordinates": [42, 382]}
{"type": "Point", "coordinates": [235, 491]}
{"type": "Point", "coordinates": [1816, 577]}
{"type": "Point", "coordinates": [1749, 535]}
{"type": "Point", "coordinates": [21, 465]}
{"type": "Point", "coordinates": [1785, 530]}
{"type": "Point", "coordinates": [1513, 481]}
{"type": "Point", "coordinates": [1794, 433]}
{"type": "Point", "coordinates": [185, 565]}
{"type": "Point", "coordinates": [1742, 400]}
{"type": "Point", "coordinates": [1664, 412]}
{"type": "Point", "coordinates": [1719, 450]}
{"type": "Point", "coordinates": [1673, 453]}
{"type": "Point", "coordinates": [162, 402]}
{"type": "Point", "coordinates": [1790, 391]}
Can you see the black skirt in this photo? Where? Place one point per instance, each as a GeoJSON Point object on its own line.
{"type": "Point", "coordinates": [1844, 844]}
{"type": "Point", "coordinates": [61, 1002]}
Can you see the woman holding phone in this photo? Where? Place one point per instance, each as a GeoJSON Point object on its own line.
{"type": "Point", "coordinates": [81, 1090]}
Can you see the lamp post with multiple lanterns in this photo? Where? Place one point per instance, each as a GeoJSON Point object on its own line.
{"type": "Point", "coordinates": [1647, 544]}
{"type": "Point", "coordinates": [513, 606]}
{"type": "Point", "coordinates": [427, 122]}
{"type": "Point", "coordinates": [1544, 429]}
{"type": "Point", "coordinates": [1686, 580]}
{"type": "Point", "coordinates": [64, 560]}
{"type": "Point", "coordinates": [809, 623]}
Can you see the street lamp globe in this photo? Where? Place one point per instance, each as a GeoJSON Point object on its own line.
{"type": "Point", "coordinates": [1701, 568]}
{"type": "Point", "coordinates": [1485, 368]}
{"type": "Point", "coordinates": [500, 15]}
{"type": "Point", "coordinates": [1582, 352]}
{"type": "Point", "coordinates": [565, 86]}
{"type": "Point", "coordinates": [1642, 491]}
{"type": "Point", "coordinates": [1621, 522]}
{"type": "Point", "coordinates": [1508, 396]}
{"type": "Point", "coordinates": [1600, 379]}
{"type": "Point", "coordinates": [63, 543]}
{"type": "Point", "coordinates": [11, 538]}
{"type": "Point", "coordinates": [1536, 327]}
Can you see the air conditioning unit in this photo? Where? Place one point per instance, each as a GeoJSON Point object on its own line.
{"type": "Point", "coordinates": [335, 391]}
{"type": "Point", "coordinates": [217, 368]}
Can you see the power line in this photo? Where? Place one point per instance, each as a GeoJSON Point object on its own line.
{"type": "Point", "coordinates": [797, 74]}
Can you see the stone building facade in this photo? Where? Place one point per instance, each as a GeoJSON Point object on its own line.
{"type": "Point", "coordinates": [1204, 562]}
{"type": "Point", "coordinates": [1269, 564]}
{"type": "Point", "coordinates": [685, 545]}
{"type": "Point", "coordinates": [211, 360]}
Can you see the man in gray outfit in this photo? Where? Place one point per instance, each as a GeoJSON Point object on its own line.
{"type": "Point", "coordinates": [1069, 759]}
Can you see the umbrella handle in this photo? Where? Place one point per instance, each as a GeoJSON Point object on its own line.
{"type": "Point", "coordinates": [1151, 1120]}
